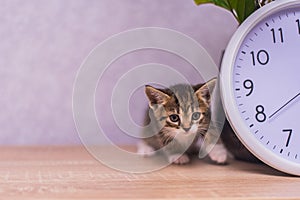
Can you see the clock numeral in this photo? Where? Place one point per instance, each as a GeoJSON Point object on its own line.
{"type": "Point", "coordinates": [260, 115]}
{"type": "Point", "coordinates": [289, 131]}
{"type": "Point", "coordinates": [274, 35]}
{"type": "Point", "coordinates": [248, 84]}
{"type": "Point", "coordinates": [298, 23]}
{"type": "Point", "coordinates": [262, 57]}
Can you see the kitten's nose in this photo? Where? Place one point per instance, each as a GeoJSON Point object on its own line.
{"type": "Point", "coordinates": [186, 129]}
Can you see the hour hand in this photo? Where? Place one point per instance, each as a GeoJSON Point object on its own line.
{"type": "Point", "coordinates": [287, 103]}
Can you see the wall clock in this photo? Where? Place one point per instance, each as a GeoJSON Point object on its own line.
{"type": "Point", "coordinates": [260, 84]}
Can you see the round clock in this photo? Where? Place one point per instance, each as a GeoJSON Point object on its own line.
{"type": "Point", "coordinates": [260, 84]}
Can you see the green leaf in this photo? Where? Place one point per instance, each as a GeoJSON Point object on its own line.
{"type": "Point", "coordinates": [241, 9]}
{"type": "Point", "coordinates": [221, 3]}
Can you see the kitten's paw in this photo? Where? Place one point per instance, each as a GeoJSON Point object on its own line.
{"type": "Point", "coordinates": [144, 149]}
{"type": "Point", "coordinates": [218, 154]}
{"type": "Point", "coordinates": [179, 159]}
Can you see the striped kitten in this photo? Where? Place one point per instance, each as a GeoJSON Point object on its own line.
{"type": "Point", "coordinates": [182, 111]}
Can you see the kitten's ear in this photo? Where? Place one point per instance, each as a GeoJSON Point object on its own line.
{"type": "Point", "coordinates": [203, 91]}
{"type": "Point", "coordinates": [156, 96]}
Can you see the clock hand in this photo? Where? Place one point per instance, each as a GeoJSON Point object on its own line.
{"type": "Point", "coordinates": [292, 99]}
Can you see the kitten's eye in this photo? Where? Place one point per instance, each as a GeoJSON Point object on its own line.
{"type": "Point", "coordinates": [196, 115]}
{"type": "Point", "coordinates": [174, 118]}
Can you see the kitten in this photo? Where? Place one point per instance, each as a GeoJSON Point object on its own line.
{"type": "Point", "coordinates": [234, 145]}
{"type": "Point", "coordinates": [180, 115]}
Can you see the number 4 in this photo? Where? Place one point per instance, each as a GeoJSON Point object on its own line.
{"type": "Point", "coordinates": [289, 137]}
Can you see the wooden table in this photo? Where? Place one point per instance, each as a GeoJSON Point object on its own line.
{"type": "Point", "coordinates": [71, 173]}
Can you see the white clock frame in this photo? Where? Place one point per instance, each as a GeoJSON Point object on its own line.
{"type": "Point", "coordinates": [227, 90]}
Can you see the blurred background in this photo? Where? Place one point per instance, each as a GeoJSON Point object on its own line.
{"type": "Point", "coordinates": [43, 44]}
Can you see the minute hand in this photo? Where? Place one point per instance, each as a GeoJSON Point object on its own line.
{"type": "Point", "coordinates": [292, 99]}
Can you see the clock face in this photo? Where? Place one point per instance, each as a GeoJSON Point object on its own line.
{"type": "Point", "coordinates": [266, 83]}
{"type": "Point", "coordinates": [263, 82]}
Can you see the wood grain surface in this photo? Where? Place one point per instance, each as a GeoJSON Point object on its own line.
{"type": "Point", "coordinates": [71, 173]}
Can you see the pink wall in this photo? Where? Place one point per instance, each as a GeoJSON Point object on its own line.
{"type": "Point", "coordinates": [43, 44]}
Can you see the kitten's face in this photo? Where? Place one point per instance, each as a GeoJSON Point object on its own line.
{"type": "Point", "coordinates": [181, 109]}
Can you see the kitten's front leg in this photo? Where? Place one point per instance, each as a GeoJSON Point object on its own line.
{"type": "Point", "coordinates": [179, 159]}
{"type": "Point", "coordinates": [144, 149]}
{"type": "Point", "coordinates": [218, 153]}
{"type": "Point", "coordinates": [176, 153]}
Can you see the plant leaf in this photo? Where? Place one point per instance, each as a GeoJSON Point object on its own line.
{"type": "Point", "coordinates": [241, 9]}
{"type": "Point", "coordinates": [221, 3]}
